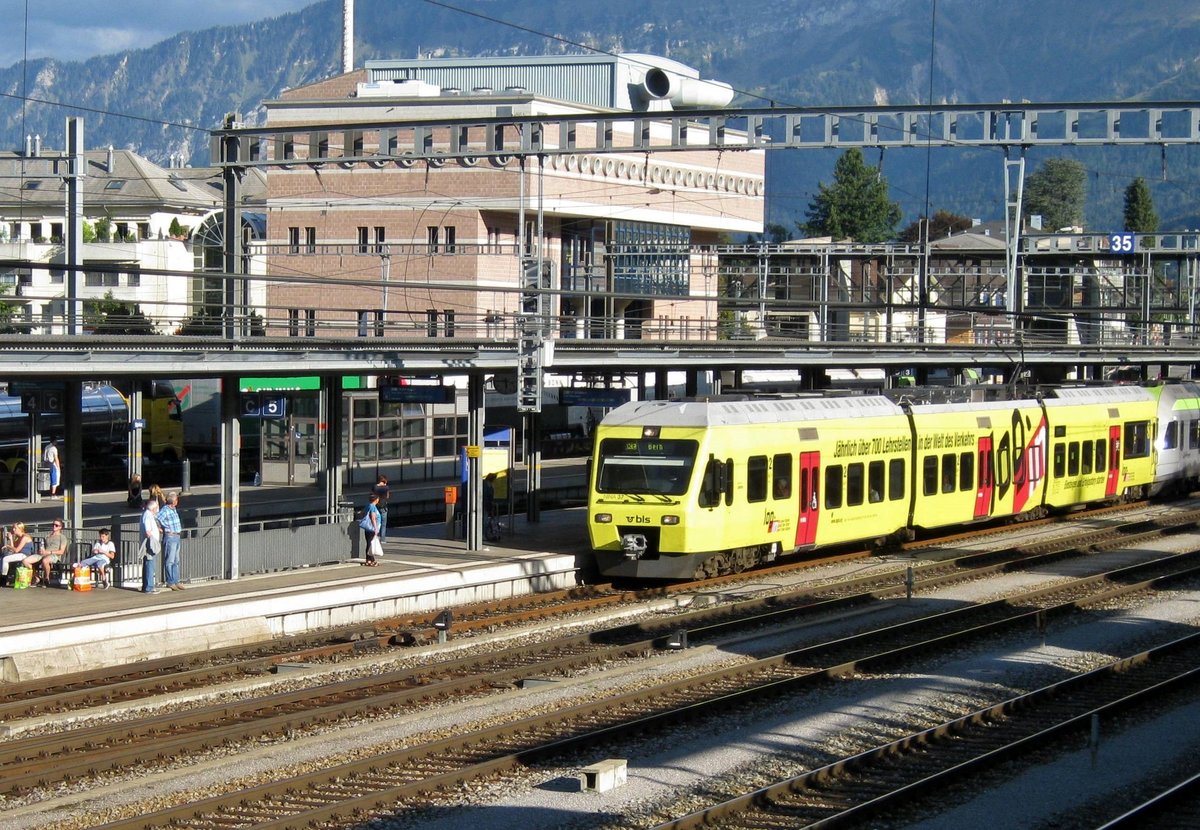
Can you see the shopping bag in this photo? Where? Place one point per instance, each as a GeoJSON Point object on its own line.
{"type": "Point", "coordinates": [24, 577]}
{"type": "Point", "coordinates": [376, 548]}
{"type": "Point", "coordinates": [81, 579]}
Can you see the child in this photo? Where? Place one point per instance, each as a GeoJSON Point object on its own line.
{"type": "Point", "coordinates": [103, 552]}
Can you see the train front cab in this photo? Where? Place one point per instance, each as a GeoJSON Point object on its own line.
{"type": "Point", "coordinates": [1101, 444]}
{"type": "Point", "coordinates": [976, 462]}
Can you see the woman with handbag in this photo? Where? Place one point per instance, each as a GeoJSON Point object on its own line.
{"type": "Point", "coordinates": [370, 523]}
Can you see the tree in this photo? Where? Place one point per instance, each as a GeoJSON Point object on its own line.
{"type": "Point", "coordinates": [943, 224]}
{"type": "Point", "coordinates": [112, 316]}
{"type": "Point", "coordinates": [7, 310]}
{"type": "Point", "coordinates": [855, 206]}
{"type": "Point", "coordinates": [1057, 191]}
{"type": "Point", "coordinates": [1140, 216]}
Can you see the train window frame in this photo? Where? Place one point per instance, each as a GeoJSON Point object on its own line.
{"type": "Point", "coordinates": [1073, 459]}
{"type": "Point", "coordinates": [949, 472]}
{"type": "Point", "coordinates": [1101, 465]}
{"type": "Point", "coordinates": [1194, 435]}
{"type": "Point", "coordinates": [896, 479]}
{"type": "Point", "coordinates": [756, 479]}
{"type": "Point", "coordinates": [1136, 439]}
{"type": "Point", "coordinates": [1170, 435]}
{"type": "Point", "coordinates": [729, 471]}
{"type": "Point", "coordinates": [833, 486]}
{"type": "Point", "coordinates": [781, 476]}
{"type": "Point", "coordinates": [876, 479]}
{"type": "Point", "coordinates": [930, 475]}
{"type": "Point", "coordinates": [1086, 454]}
{"type": "Point", "coordinates": [855, 484]}
{"type": "Point", "coordinates": [1060, 460]}
{"type": "Point", "coordinates": [966, 470]}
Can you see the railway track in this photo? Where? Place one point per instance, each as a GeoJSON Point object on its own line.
{"type": "Point", "coordinates": [417, 776]}
{"type": "Point", "coordinates": [890, 779]}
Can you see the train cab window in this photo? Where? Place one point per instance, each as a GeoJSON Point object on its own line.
{"type": "Point", "coordinates": [833, 486]}
{"type": "Point", "coordinates": [930, 476]}
{"type": "Point", "coordinates": [1073, 458]}
{"type": "Point", "coordinates": [854, 484]}
{"type": "Point", "coordinates": [966, 471]}
{"type": "Point", "coordinates": [949, 472]}
{"type": "Point", "coordinates": [781, 476]}
{"type": "Point", "coordinates": [875, 482]}
{"type": "Point", "coordinates": [896, 479]}
{"type": "Point", "coordinates": [1085, 459]}
{"type": "Point", "coordinates": [756, 478]}
{"type": "Point", "coordinates": [1170, 435]}
{"type": "Point", "coordinates": [1101, 455]}
{"type": "Point", "coordinates": [1060, 461]}
{"type": "Point", "coordinates": [1137, 439]}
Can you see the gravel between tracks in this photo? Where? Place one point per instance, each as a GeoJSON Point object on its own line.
{"type": "Point", "coordinates": [682, 769]}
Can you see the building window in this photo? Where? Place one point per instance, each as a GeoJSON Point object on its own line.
{"type": "Point", "coordinates": [432, 235]}
{"type": "Point", "coordinates": [451, 236]}
{"type": "Point", "coordinates": [35, 232]}
{"type": "Point", "coordinates": [293, 240]}
{"type": "Point", "coordinates": [143, 230]}
{"type": "Point", "coordinates": [310, 239]}
{"type": "Point", "coordinates": [293, 322]}
{"type": "Point", "coordinates": [310, 322]}
{"type": "Point", "coordinates": [100, 279]}
{"type": "Point", "coordinates": [449, 317]}
{"type": "Point", "coordinates": [651, 259]}
{"type": "Point", "coordinates": [134, 278]}
{"type": "Point", "coordinates": [380, 236]}
{"type": "Point", "coordinates": [362, 239]}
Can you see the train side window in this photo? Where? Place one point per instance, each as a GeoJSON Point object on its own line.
{"type": "Point", "coordinates": [1060, 461]}
{"type": "Point", "coordinates": [804, 497]}
{"type": "Point", "coordinates": [1193, 435]}
{"type": "Point", "coordinates": [756, 478]}
{"type": "Point", "coordinates": [896, 479]}
{"type": "Point", "coordinates": [1169, 436]}
{"type": "Point", "coordinates": [1086, 458]}
{"type": "Point", "coordinates": [781, 476]}
{"type": "Point", "coordinates": [875, 482]}
{"type": "Point", "coordinates": [966, 471]}
{"type": "Point", "coordinates": [1073, 458]}
{"type": "Point", "coordinates": [930, 476]}
{"type": "Point", "coordinates": [949, 472]}
{"type": "Point", "coordinates": [1137, 439]}
{"type": "Point", "coordinates": [833, 486]}
{"type": "Point", "coordinates": [854, 484]}
{"type": "Point", "coordinates": [1101, 455]}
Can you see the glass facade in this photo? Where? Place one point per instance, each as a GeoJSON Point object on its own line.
{"type": "Point", "coordinates": [651, 259]}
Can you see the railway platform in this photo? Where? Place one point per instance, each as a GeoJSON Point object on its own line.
{"type": "Point", "coordinates": [50, 631]}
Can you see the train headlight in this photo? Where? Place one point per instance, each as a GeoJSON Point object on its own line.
{"type": "Point", "coordinates": [670, 520]}
{"type": "Point", "coordinates": [603, 518]}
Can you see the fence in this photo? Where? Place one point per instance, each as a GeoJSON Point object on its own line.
{"type": "Point", "coordinates": [264, 546]}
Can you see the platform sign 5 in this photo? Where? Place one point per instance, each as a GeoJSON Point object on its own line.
{"type": "Point", "coordinates": [1122, 243]}
{"type": "Point", "coordinates": [255, 405]}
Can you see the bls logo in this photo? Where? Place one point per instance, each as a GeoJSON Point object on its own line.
{"type": "Point", "coordinates": [637, 520]}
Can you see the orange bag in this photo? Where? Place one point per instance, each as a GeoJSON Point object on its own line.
{"type": "Point", "coordinates": [82, 578]}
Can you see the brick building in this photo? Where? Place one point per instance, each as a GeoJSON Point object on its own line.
{"type": "Point", "coordinates": [436, 248]}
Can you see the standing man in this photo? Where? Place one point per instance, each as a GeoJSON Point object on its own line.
{"type": "Point", "coordinates": [381, 489]}
{"type": "Point", "coordinates": [168, 520]}
{"type": "Point", "coordinates": [151, 544]}
{"type": "Point", "coordinates": [50, 457]}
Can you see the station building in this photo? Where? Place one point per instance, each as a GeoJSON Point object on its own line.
{"type": "Point", "coordinates": [436, 249]}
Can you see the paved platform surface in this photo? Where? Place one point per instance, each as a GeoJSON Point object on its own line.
{"type": "Point", "coordinates": [49, 631]}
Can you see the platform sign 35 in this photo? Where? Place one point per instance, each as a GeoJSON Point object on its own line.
{"type": "Point", "coordinates": [1122, 243]}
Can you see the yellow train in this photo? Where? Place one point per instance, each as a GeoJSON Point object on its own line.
{"type": "Point", "coordinates": [692, 488]}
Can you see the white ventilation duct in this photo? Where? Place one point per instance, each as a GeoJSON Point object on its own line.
{"type": "Point", "coordinates": [347, 35]}
{"type": "Point", "coordinates": [683, 92]}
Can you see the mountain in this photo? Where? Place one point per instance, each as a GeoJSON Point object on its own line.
{"type": "Point", "coordinates": [159, 101]}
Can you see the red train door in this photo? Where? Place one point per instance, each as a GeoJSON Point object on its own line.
{"type": "Point", "coordinates": [806, 528]}
{"type": "Point", "coordinates": [1114, 460]}
{"type": "Point", "coordinates": [983, 493]}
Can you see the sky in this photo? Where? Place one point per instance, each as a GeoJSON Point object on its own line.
{"type": "Point", "coordinates": [73, 30]}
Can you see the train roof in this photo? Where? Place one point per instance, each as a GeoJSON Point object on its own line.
{"type": "Point", "coordinates": [1121, 393]}
{"type": "Point", "coordinates": [726, 412]}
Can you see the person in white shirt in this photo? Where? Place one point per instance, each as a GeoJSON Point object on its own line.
{"type": "Point", "coordinates": [103, 553]}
